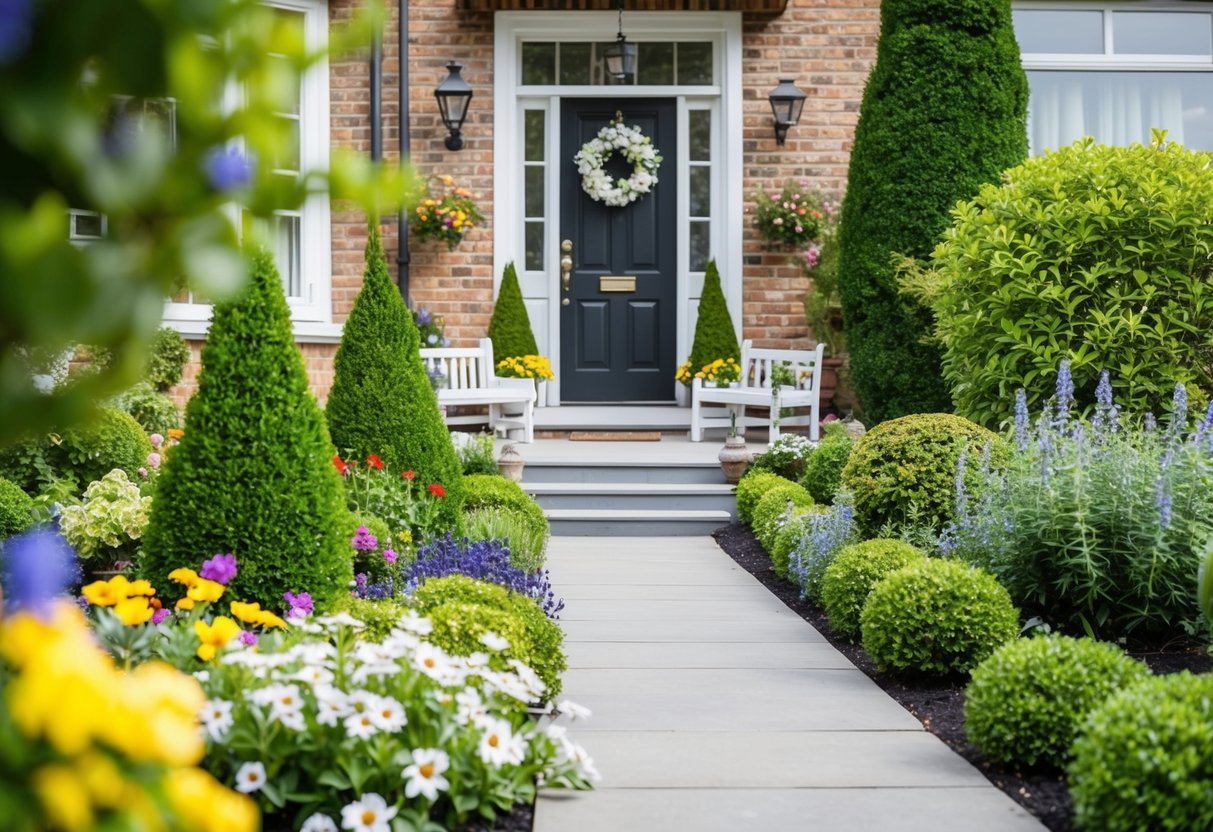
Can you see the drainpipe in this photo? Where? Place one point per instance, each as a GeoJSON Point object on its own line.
{"type": "Point", "coordinates": [402, 229]}
{"type": "Point", "coordinates": [377, 98]}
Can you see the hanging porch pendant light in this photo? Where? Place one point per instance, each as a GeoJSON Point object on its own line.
{"type": "Point", "coordinates": [620, 56]}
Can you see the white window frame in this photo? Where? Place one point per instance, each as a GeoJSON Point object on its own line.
{"type": "Point", "coordinates": [312, 314]}
{"type": "Point", "coordinates": [541, 290]}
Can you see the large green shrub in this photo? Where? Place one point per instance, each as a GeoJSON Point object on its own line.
{"type": "Point", "coordinates": [16, 509]}
{"type": "Point", "coordinates": [903, 472]}
{"type": "Point", "coordinates": [750, 490]}
{"type": "Point", "coordinates": [823, 469]}
{"type": "Point", "coordinates": [254, 473]}
{"type": "Point", "coordinates": [1024, 704]}
{"type": "Point", "coordinates": [526, 539]}
{"type": "Point", "coordinates": [1100, 254]}
{"type": "Point", "coordinates": [381, 401]}
{"type": "Point", "coordinates": [715, 335]}
{"type": "Point", "coordinates": [490, 491]}
{"type": "Point", "coordinates": [539, 641]}
{"type": "Point", "coordinates": [81, 455]}
{"type": "Point", "coordinates": [936, 617]}
{"type": "Point", "coordinates": [855, 570]}
{"type": "Point", "coordinates": [943, 112]}
{"type": "Point", "coordinates": [154, 411]}
{"type": "Point", "coordinates": [772, 507]}
{"type": "Point", "coordinates": [166, 359]}
{"type": "Point", "coordinates": [510, 327]}
{"type": "Point", "coordinates": [789, 537]}
{"type": "Point", "coordinates": [1144, 758]}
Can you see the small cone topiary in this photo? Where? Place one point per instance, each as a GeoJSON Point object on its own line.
{"type": "Point", "coordinates": [381, 401]}
{"type": "Point", "coordinates": [510, 326]}
{"type": "Point", "coordinates": [715, 336]}
{"type": "Point", "coordinates": [253, 474]}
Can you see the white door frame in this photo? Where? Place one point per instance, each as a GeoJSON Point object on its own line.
{"type": "Point", "coordinates": [542, 289]}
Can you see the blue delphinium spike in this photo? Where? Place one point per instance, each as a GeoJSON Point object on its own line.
{"type": "Point", "coordinates": [1021, 419]}
{"type": "Point", "coordinates": [1065, 392]}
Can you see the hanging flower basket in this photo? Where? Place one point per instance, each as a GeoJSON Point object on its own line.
{"type": "Point", "coordinates": [635, 147]}
{"type": "Point", "coordinates": [447, 213]}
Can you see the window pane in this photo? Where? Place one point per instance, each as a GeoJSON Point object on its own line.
{"type": "Point", "coordinates": [534, 246]}
{"type": "Point", "coordinates": [538, 63]}
{"type": "Point", "coordinates": [655, 63]}
{"type": "Point", "coordinates": [1119, 107]}
{"type": "Point", "coordinates": [701, 135]}
{"type": "Point", "coordinates": [575, 62]}
{"type": "Point", "coordinates": [533, 123]}
{"type": "Point", "coordinates": [287, 254]}
{"type": "Point", "coordinates": [286, 156]}
{"type": "Point", "coordinates": [290, 89]}
{"type": "Point", "coordinates": [534, 191]}
{"type": "Point", "coordinates": [701, 191]}
{"type": "Point", "coordinates": [1059, 31]}
{"type": "Point", "coordinates": [694, 63]}
{"type": "Point", "coordinates": [86, 224]}
{"type": "Point", "coordinates": [1159, 33]}
{"type": "Point", "coordinates": [701, 245]}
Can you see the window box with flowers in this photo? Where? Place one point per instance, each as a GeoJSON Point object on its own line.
{"type": "Point", "coordinates": [446, 213]}
{"type": "Point", "coordinates": [537, 367]}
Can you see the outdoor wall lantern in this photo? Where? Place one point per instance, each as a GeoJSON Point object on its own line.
{"type": "Point", "coordinates": [787, 102]}
{"type": "Point", "coordinates": [453, 95]}
{"type": "Point", "coordinates": [620, 56]}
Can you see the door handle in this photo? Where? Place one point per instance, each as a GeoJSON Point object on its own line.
{"type": "Point", "coordinates": [566, 268]}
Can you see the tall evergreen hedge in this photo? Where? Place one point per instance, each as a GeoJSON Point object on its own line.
{"type": "Point", "coordinates": [715, 336]}
{"type": "Point", "coordinates": [253, 474]}
{"type": "Point", "coordinates": [944, 111]}
{"type": "Point", "coordinates": [381, 401]}
{"type": "Point", "coordinates": [510, 326]}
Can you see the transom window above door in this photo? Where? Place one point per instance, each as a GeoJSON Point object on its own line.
{"type": "Point", "coordinates": [658, 63]}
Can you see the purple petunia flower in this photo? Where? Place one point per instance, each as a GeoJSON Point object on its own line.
{"type": "Point", "coordinates": [389, 555]}
{"type": "Point", "coordinates": [220, 569]}
{"type": "Point", "coordinates": [363, 540]}
{"type": "Point", "coordinates": [39, 565]}
{"type": "Point", "coordinates": [159, 615]}
{"type": "Point", "coordinates": [227, 168]}
{"type": "Point", "coordinates": [301, 605]}
{"type": "Point", "coordinates": [247, 638]}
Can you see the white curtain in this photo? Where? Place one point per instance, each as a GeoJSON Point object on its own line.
{"type": "Point", "coordinates": [1117, 108]}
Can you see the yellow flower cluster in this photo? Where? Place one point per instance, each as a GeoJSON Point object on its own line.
{"type": "Point", "coordinates": [526, 366]}
{"type": "Point", "coordinates": [683, 373]}
{"type": "Point", "coordinates": [447, 213]}
{"type": "Point", "coordinates": [722, 369]}
{"type": "Point", "coordinates": [132, 601]}
{"type": "Point", "coordinates": [67, 697]}
{"type": "Point", "coordinates": [252, 613]}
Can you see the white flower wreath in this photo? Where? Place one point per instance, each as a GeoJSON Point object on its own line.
{"type": "Point", "coordinates": [636, 147]}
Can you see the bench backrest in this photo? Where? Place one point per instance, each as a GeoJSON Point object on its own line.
{"type": "Point", "coordinates": [465, 368]}
{"type": "Point", "coordinates": [757, 362]}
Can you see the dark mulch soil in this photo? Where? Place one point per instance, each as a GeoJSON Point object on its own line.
{"type": "Point", "coordinates": [520, 819]}
{"type": "Point", "coordinates": [940, 706]}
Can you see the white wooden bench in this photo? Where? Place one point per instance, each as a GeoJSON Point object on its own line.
{"type": "Point", "coordinates": [471, 382]}
{"type": "Point", "coordinates": [714, 407]}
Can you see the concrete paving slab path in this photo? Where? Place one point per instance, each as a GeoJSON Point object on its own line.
{"type": "Point", "coordinates": [716, 709]}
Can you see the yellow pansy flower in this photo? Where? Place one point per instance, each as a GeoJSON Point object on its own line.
{"type": "Point", "coordinates": [106, 593]}
{"type": "Point", "coordinates": [205, 590]}
{"type": "Point", "coordinates": [188, 577]}
{"type": "Point", "coordinates": [140, 587]}
{"type": "Point", "coordinates": [64, 797]}
{"type": "Point", "coordinates": [214, 636]}
{"type": "Point", "coordinates": [134, 611]}
{"type": "Point", "coordinates": [185, 604]}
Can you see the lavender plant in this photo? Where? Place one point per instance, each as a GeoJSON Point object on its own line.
{"type": "Point", "coordinates": [1095, 526]}
{"type": "Point", "coordinates": [827, 534]}
{"type": "Point", "coordinates": [485, 560]}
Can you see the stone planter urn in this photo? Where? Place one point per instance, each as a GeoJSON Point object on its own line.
{"type": "Point", "coordinates": [510, 463]}
{"type": "Point", "coordinates": [829, 378]}
{"type": "Point", "coordinates": [734, 458]}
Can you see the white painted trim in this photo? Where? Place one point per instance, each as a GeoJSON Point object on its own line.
{"type": "Point", "coordinates": [306, 332]}
{"type": "Point", "coordinates": [510, 97]}
{"type": "Point", "coordinates": [1109, 61]}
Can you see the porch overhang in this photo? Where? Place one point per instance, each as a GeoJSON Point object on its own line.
{"type": "Point", "coordinates": [772, 7]}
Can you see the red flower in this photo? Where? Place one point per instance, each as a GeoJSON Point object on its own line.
{"type": "Point", "coordinates": [408, 475]}
{"type": "Point", "coordinates": [437, 490]}
{"type": "Point", "coordinates": [375, 462]}
{"type": "Point", "coordinates": [341, 466]}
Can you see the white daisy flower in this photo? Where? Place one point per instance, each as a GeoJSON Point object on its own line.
{"type": "Point", "coordinates": [374, 669]}
{"type": "Point", "coordinates": [341, 619]}
{"type": "Point", "coordinates": [314, 675]}
{"type": "Point", "coordinates": [319, 823]}
{"type": "Point", "coordinates": [529, 678]}
{"type": "Point", "coordinates": [498, 743]}
{"type": "Point", "coordinates": [250, 777]}
{"type": "Point", "coordinates": [331, 705]}
{"type": "Point", "coordinates": [494, 642]}
{"type": "Point", "coordinates": [202, 675]}
{"type": "Point", "coordinates": [414, 623]}
{"type": "Point", "coordinates": [216, 717]}
{"type": "Point", "coordinates": [370, 814]}
{"type": "Point", "coordinates": [388, 715]}
{"type": "Point", "coordinates": [361, 726]}
{"type": "Point", "coordinates": [574, 710]}
{"type": "Point", "coordinates": [431, 660]}
{"type": "Point", "coordinates": [471, 708]}
{"type": "Point", "coordinates": [424, 776]}
{"type": "Point", "coordinates": [476, 662]}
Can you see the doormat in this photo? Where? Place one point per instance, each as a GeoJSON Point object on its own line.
{"type": "Point", "coordinates": [615, 436]}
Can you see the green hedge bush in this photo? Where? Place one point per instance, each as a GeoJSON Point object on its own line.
{"type": "Point", "coordinates": [166, 359]}
{"type": "Point", "coordinates": [750, 490]}
{"type": "Point", "coordinates": [1099, 254]}
{"type": "Point", "coordinates": [936, 617]}
{"type": "Point", "coordinates": [822, 473]}
{"type": "Point", "coordinates": [381, 401]}
{"type": "Point", "coordinates": [855, 570]}
{"type": "Point", "coordinates": [772, 506]}
{"type": "Point", "coordinates": [537, 641]}
{"type": "Point", "coordinates": [510, 326]}
{"type": "Point", "coordinates": [789, 537]}
{"type": "Point", "coordinates": [1144, 758]}
{"type": "Point", "coordinates": [154, 411]}
{"type": "Point", "coordinates": [943, 112]}
{"type": "Point", "coordinates": [489, 491]}
{"type": "Point", "coordinates": [16, 509]}
{"type": "Point", "coordinates": [1024, 704]}
{"type": "Point", "coordinates": [715, 335]}
{"type": "Point", "coordinates": [80, 455]}
{"type": "Point", "coordinates": [903, 472]}
{"type": "Point", "coordinates": [254, 473]}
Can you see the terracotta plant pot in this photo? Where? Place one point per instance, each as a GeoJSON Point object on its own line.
{"type": "Point", "coordinates": [829, 378]}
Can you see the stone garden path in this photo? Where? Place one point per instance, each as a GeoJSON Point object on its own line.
{"type": "Point", "coordinates": [717, 708]}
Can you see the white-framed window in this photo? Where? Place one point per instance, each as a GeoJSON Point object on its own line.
{"type": "Point", "coordinates": [299, 238]}
{"type": "Point", "coordinates": [1116, 70]}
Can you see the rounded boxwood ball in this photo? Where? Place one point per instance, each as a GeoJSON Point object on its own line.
{"type": "Point", "coordinates": [849, 580]}
{"type": "Point", "coordinates": [1144, 758]}
{"type": "Point", "coordinates": [936, 617]}
{"type": "Point", "coordinates": [750, 490]}
{"type": "Point", "coordinates": [15, 509]}
{"type": "Point", "coordinates": [771, 508]}
{"type": "Point", "coordinates": [1024, 704]}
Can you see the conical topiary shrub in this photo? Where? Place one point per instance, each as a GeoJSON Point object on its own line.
{"type": "Point", "coordinates": [382, 402]}
{"type": "Point", "coordinates": [253, 474]}
{"type": "Point", "coordinates": [715, 336]}
{"type": "Point", "coordinates": [510, 327]}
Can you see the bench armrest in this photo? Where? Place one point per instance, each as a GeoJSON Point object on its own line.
{"type": "Point", "coordinates": [517, 385]}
